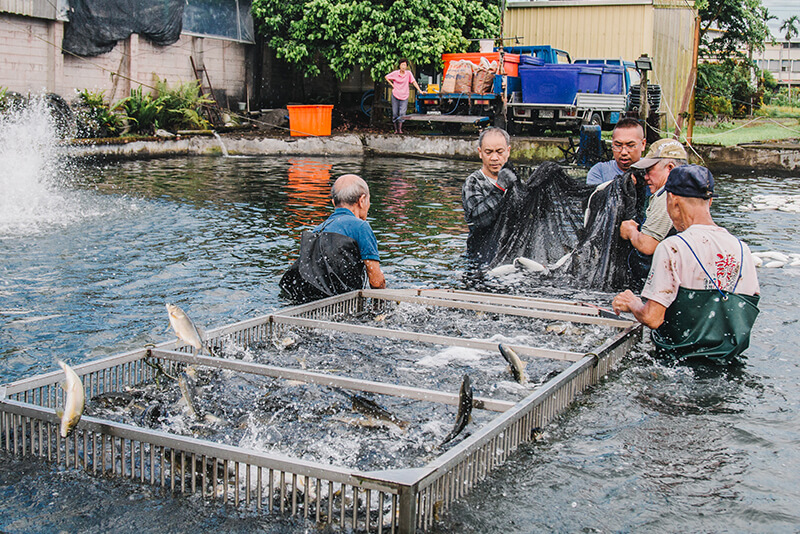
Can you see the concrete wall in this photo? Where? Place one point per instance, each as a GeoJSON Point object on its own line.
{"type": "Point", "coordinates": [662, 29]}
{"type": "Point", "coordinates": [31, 61]}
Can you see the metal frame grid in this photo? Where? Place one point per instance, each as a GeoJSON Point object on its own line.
{"type": "Point", "coordinates": [403, 500]}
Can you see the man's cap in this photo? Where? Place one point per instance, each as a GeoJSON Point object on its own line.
{"type": "Point", "coordinates": [661, 149]}
{"type": "Point", "coordinates": [690, 181]}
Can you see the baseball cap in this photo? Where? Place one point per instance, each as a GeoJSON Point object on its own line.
{"type": "Point", "coordinates": [690, 181]}
{"type": "Point", "coordinates": [661, 149]}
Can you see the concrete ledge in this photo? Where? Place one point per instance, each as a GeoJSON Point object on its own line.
{"type": "Point", "coordinates": [780, 157]}
{"type": "Point", "coordinates": [783, 156]}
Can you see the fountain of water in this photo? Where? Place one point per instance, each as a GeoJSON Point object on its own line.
{"type": "Point", "coordinates": [34, 171]}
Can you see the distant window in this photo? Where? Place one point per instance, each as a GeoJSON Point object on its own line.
{"type": "Point", "coordinates": [795, 45]}
{"type": "Point", "coordinates": [796, 65]}
{"type": "Point", "coordinates": [785, 45]}
{"type": "Point", "coordinates": [785, 65]}
{"type": "Point", "coordinates": [773, 65]}
{"type": "Point", "coordinates": [219, 18]}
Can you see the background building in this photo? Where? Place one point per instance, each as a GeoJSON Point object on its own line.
{"type": "Point", "coordinates": [218, 36]}
{"type": "Point", "coordinates": [782, 60]}
{"type": "Point", "coordinates": [662, 29]}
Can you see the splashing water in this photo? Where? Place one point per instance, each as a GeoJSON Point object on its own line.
{"type": "Point", "coordinates": [34, 172]}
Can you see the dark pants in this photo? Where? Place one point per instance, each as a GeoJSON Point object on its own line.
{"type": "Point", "coordinates": [399, 108]}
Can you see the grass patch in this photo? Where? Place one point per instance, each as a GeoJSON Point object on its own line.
{"type": "Point", "coordinates": [734, 132]}
{"type": "Point", "coordinates": [779, 112]}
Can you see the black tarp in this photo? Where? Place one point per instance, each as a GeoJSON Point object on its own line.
{"type": "Point", "coordinates": [95, 26]}
{"type": "Point", "coordinates": [549, 215]}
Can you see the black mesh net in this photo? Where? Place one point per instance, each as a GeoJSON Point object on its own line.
{"type": "Point", "coordinates": [95, 26]}
{"type": "Point", "coordinates": [568, 227]}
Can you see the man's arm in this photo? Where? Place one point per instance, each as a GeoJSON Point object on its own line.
{"type": "Point", "coordinates": [481, 202]}
{"type": "Point", "coordinates": [374, 274]}
{"type": "Point", "coordinates": [642, 242]}
{"type": "Point", "coordinates": [650, 314]}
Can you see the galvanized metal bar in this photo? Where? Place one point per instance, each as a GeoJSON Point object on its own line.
{"type": "Point", "coordinates": [571, 312]}
{"type": "Point", "coordinates": [522, 350]}
{"type": "Point", "coordinates": [334, 380]}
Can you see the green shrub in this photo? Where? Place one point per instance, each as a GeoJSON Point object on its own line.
{"type": "Point", "coordinates": [142, 110]}
{"type": "Point", "coordinates": [95, 117]}
{"type": "Point", "coordinates": [181, 106]}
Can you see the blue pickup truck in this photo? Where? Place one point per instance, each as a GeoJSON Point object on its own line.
{"type": "Point", "coordinates": [540, 88]}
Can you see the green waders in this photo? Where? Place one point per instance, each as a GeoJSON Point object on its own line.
{"type": "Point", "coordinates": [708, 323]}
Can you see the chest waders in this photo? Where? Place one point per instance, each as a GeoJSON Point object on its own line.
{"type": "Point", "coordinates": [328, 264]}
{"type": "Point", "coordinates": [708, 323]}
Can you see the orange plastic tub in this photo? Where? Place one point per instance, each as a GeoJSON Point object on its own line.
{"type": "Point", "coordinates": [305, 121]}
{"type": "Point", "coordinates": [510, 61]}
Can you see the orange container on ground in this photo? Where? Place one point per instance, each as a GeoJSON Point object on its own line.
{"type": "Point", "coordinates": [510, 61]}
{"type": "Point", "coordinates": [305, 121]}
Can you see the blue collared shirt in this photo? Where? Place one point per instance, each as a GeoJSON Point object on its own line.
{"type": "Point", "coordinates": [602, 172]}
{"type": "Point", "coordinates": [343, 221]}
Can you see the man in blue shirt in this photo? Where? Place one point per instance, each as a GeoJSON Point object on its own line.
{"type": "Point", "coordinates": [350, 197]}
{"type": "Point", "coordinates": [339, 255]}
{"type": "Point", "coordinates": [627, 145]}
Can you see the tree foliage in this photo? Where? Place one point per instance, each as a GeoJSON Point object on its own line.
{"type": "Point", "coordinates": [742, 25]}
{"type": "Point", "coordinates": [371, 34]}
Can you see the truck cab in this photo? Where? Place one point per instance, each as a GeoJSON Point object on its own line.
{"type": "Point", "coordinates": [546, 53]}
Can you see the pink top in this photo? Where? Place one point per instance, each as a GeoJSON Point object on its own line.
{"type": "Point", "coordinates": [401, 82]}
{"type": "Point", "coordinates": [674, 265]}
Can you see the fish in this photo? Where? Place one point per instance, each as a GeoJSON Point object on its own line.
{"type": "Point", "coordinates": [113, 399]}
{"type": "Point", "coordinates": [561, 261]}
{"type": "Point", "coordinates": [502, 270]}
{"type": "Point", "coordinates": [73, 403]}
{"type": "Point", "coordinates": [517, 365]}
{"type": "Point", "coordinates": [370, 408]}
{"type": "Point", "coordinates": [464, 409]}
{"type": "Point", "coordinates": [772, 255]}
{"type": "Point", "coordinates": [564, 328]}
{"type": "Point", "coordinates": [184, 328]}
{"type": "Point", "coordinates": [188, 392]}
{"type": "Point", "coordinates": [530, 265]}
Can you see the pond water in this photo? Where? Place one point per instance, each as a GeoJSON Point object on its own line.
{"type": "Point", "coordinates": [86, 266]}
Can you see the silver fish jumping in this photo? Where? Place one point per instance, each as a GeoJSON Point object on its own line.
{"type": "Point", "coordinates": [74, 402]}
{"type": "Point", "coordinates": [184, 328]}
{"type": "Point", "coordinates": [188, 392]}
{"type": "Point", "coordinates": [370, 408]}
{"type": "Point", "coordinates": [464, 409]}
{"type": "Point", "coordinates": [517, 365]}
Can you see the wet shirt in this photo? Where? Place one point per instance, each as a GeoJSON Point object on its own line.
{"type": "Point", "coordinates": [481, 197]}
{"type": "Point", "coordinates": [602, 172]}
{"type": "Point", "coordinates": [343, 221]}
{"type": "Point", "coordinates": [675, 266]}
{"type": "Point", "coordinates": [657, 223]}
{"type": "Point", "coordinates": [401, 81]}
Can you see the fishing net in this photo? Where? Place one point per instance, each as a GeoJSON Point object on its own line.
{"type": "Point", "coordinates": [568, 226]}
{"type": "Point", "coordinates": [95, 26]}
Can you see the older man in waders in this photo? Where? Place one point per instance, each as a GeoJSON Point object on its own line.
{"type": "Point", "coordinates": [702, 291]}
{"type": "Point", "coordinates": [664, 155]}
{"type": "Point", "coordinates": [341, 254]}
{"type": "Point", "coordinates": [483, 191]}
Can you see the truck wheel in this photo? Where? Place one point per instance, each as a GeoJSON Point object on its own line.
{"type": "Point", "coordinates": [596, 120]}
{"type": "Point", "coordinates": [513, 127]}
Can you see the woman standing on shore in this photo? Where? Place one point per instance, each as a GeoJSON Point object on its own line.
{"type": "Point", "coordinates": [400, 80]}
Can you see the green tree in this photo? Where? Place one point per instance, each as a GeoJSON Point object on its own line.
{"type": "Point", "coordinates": [372, 34]}
{"type": "Point", "coordinates": [728, 28]}
{"type": "Point", "coordinates": [789, 27]}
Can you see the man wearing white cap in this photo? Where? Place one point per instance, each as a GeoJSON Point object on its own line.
{"type": "Point", "coordinates": [663, 156]}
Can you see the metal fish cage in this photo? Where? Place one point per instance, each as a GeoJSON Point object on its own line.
{"type": "Point", "coordinates": [403, 500]}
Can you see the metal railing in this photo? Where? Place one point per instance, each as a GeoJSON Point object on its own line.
{"type": "Point", "coordinates": [398, 500]}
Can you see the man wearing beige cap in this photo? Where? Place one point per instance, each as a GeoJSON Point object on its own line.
{"type": "Point", "coordinates": [663, 156]}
